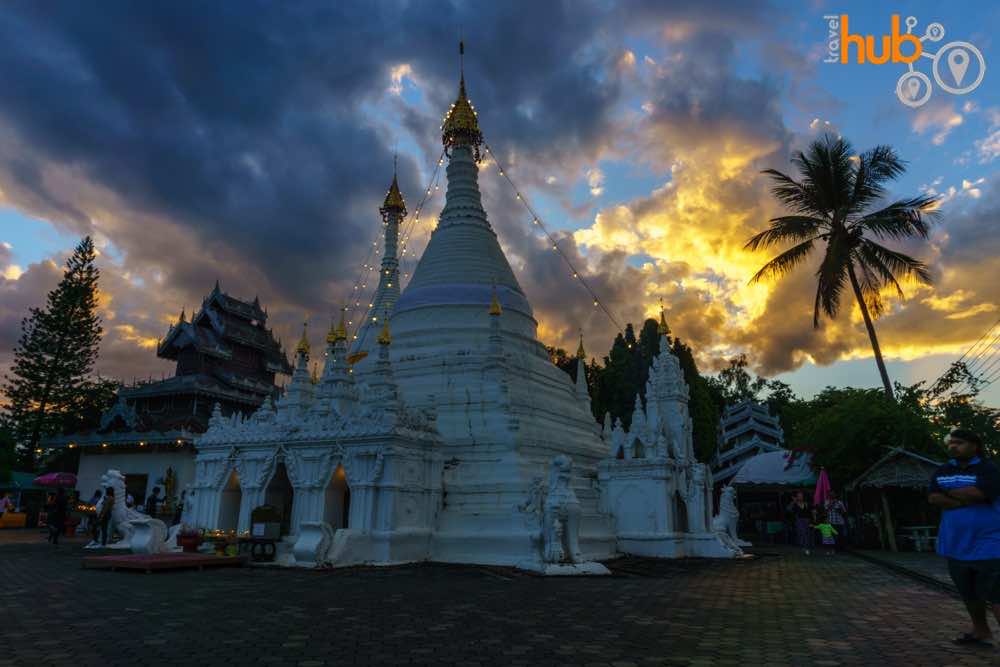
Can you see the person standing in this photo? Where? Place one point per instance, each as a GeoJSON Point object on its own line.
{"type": "Point", "coordinates": [967, 489]}
{"type": "Point", "coordinates": [802, 515]}
{"type": "Point", "coordinates": [57, 516]}
{"type": "Point", "coordinates": [6, 504]}
{"type": "Point", "coordinates": [104, 514]}
{"type": "Point", "coordinates": [836, 512]}
{"type": "Point", "coordinates": [96, 501]}
{"type": "Point", "coordinates": [152, 503]}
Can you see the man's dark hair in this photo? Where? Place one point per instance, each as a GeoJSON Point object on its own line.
{"type": "Point", "coordinates": [970, 437]}
{"type": "Point", "coordinates": [967, 435]}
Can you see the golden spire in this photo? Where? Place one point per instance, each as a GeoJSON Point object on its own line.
{"type": "Point", "coordinates": [182, 318]}
{"type": "Point", "coordinates": [384, 338]}
{"type": "Point", "coordinates": [461, 126]}
{"type": "Point", "coordinates": [303, 346]}
{"type": "Point", "coordinates": [393, 198]}
{"type": "Point", "coordinates": [495, 308]}
{"type": "Point", "coordinates": [338, 332]}
{"type": "Point", "coordinates": [662, 329]}
{"type": "Point", "coordinates": [580, 353]}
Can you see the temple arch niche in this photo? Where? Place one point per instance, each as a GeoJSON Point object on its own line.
{"type": "Point", "coordinates": [337, 500]}
{"type": "Point", "coordinates": [680, 513]}
{"type": "Point", "coordinates": [230, 500]}
{"type": "Point", "coordinates": [280, 495]}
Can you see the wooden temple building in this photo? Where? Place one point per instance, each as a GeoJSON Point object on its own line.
{"type": "Point", "coordinates": [224, 355]}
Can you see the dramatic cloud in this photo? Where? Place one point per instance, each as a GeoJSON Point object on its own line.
{"type": "Point", "coordinates": [253, 144]}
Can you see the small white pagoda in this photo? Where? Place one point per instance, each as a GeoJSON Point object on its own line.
{"type": "Point", "coordinates": [451, 436]}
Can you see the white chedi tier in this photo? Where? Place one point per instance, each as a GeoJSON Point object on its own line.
{"type": "Point", "coordinates": [456, 439]}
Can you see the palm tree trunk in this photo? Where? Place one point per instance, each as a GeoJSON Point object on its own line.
{"type": "Point", "coordinates": [871, 332]}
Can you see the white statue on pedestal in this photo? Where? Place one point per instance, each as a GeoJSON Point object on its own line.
{"type": "Point", "coordinates": [140, 532]}
{"type": "Point", "coordinates": [561, 515]}
{"type": "Point", "coordinates": [728, 517]}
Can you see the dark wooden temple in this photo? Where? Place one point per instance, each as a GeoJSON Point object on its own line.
{"type": "Point", "coordinates": [225, 354]}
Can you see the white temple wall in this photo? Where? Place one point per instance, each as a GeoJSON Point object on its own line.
{"type": "Point", "coordinates": [94, 463]}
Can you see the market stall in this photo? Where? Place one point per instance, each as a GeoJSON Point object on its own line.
{"type": "Point", "coordinates": [889, 502]}
{"type": "Point", "coordinates": [765, 486]}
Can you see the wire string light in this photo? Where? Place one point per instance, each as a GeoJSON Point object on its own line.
{"type": "Point", "coordinates": [357, 323]}
{"type": "Point", "coordinates": [537, 220]}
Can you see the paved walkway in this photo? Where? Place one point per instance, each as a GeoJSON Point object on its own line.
{"type": "Point", "coordinates": [926, 564]}
{"type": "Point", "coordinates": [776, 610]}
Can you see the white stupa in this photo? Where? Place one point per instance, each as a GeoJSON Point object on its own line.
{"type": "Point", "coordinates": [451, 436]}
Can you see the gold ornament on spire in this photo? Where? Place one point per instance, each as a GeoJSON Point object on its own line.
{"type": "Point", "coordinates": [384, 338]}
{"type": "Point", "coordinates": [495, 308]}
{"type": "Point", "coordinates": [338, 332]}
{"type": "Point", "coordinates": [303, 346]}
{"type": "Point", "coordinates": [580, 353]}
{"type": "Point", "coordinates": [461, 126]}
{"type": "Point", "coordinates": [393, 198]}
{"type": "Point", "coordinates": [662, 329]}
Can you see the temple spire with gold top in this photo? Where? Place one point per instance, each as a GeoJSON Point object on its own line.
{"type": "Point", "coordinates": [461, 124]}
{"type": "Point", "coordinates": [303, 345]}
{"type": "Point", "coordinates": [662, 329]}
{"type": "Point", "coordinates": [393, 210]}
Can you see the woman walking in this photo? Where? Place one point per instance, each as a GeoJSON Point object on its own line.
{"type": "Point", "coordinates": [802, 514]}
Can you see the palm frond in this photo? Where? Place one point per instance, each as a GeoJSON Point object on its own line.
{"type": "Point", "coordinates": [873, 264]}
{"type": "Point", "coordinates": [884, 164]}
{"type": "Point", "coordinates": [899, 264]}
{"type": "Point", "coordinates": [784, 262]}
{"type": "Point", "coordinates": [901, 219]}
{"type": "Point", "coordinates": [828, 172]}
{"type": "Point", "coordinates": [871, 290]}
{"type": "Point", "coordinates": [832, 276]}
{"type": "Point", "coordinates": [785, 228]}
{"type": "Point", "coordinates": [792, 194]}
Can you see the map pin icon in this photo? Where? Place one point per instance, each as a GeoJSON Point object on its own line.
{"type": "Point", "coordinates": [914, 86]}
{"type": "Point", "coordinates": [958, 63]}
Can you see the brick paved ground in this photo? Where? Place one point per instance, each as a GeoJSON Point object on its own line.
{"type": "Point", "coordinates": [776, 610]}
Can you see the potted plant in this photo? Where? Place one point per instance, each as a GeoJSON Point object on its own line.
{"type": "Point", "coordinates": [189, 539]}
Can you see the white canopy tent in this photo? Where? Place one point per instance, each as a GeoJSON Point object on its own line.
{"type": "Point", "coordinates": [777, 469]}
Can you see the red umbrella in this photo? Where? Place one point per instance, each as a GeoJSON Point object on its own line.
{"type": "Point", "coordinates": [55, 479]}
{"type": "Point", "coordinates": [822, 493]}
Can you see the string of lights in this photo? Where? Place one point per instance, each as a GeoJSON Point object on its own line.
{"type": "Point", "coordinates": [537, 220]}
{"type": "Point", "coordinates": [428, 193]}
{"type": "Point", "coordinates": [354, 324]}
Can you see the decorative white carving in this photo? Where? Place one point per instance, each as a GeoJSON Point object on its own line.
{"type": "Point", "coordinates": [561, 515]}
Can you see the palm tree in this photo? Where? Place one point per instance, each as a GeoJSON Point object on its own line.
{"type": "Point", "coordinates": [830, 203]}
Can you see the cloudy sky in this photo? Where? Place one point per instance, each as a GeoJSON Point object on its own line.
{"type": "Point", "coordinates": [252, 143]}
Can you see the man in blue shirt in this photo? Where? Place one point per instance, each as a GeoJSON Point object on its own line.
{"type": "Point", "coordinates": [967, 489]}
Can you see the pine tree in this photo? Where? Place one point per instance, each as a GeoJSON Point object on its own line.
{"type": "Point", "coordinates": [55, 354]}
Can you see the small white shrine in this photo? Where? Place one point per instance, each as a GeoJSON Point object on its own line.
{"type": "Point", "coordinates": [450, 436]}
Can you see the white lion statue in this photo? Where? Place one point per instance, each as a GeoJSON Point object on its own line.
{"type": "Point", "coordinates": [561, 515]}
{"type": "Point", "coordinates": [140, 533]}
{"type": "Point", "coordinates": [724, 523]}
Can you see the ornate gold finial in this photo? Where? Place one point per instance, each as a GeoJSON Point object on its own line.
{"type": "Point", "coordinates": [662, 329]}
{"type": "Point", "coordinates": [338, 331]}
{"type": "Point", "coordinates": [384, 338]}
{"type": "Point", "coordinates": [461, 126]}
{"type": "Point", "coordinates": [495, 308]}
{"type": "Point", "coordinates": [393, 200]}
{"type": "Point", "coordinates": [580, 353]}
{"type": "Point", "coordinates": [303, 346]}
